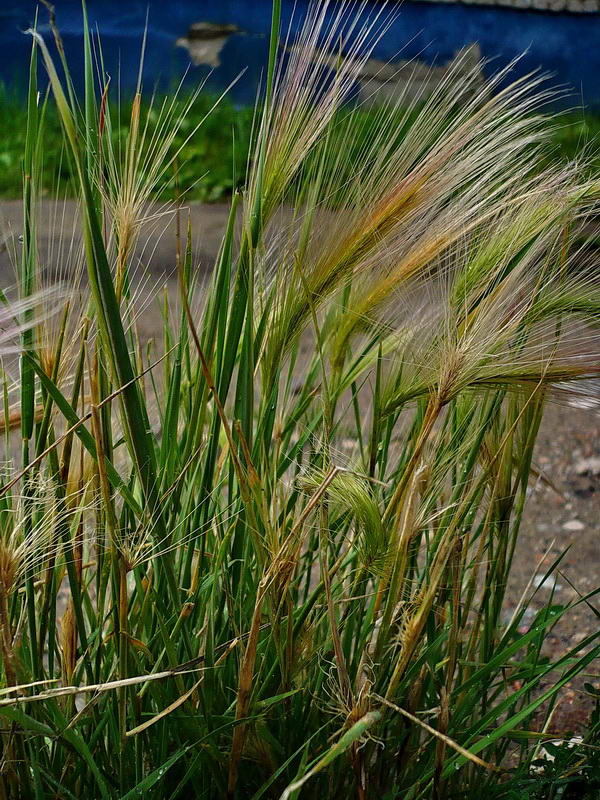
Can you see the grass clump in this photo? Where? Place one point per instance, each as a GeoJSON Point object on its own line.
{"type": "Point", "coordinates": [270, 557]}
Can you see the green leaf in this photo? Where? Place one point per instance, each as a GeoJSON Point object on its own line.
{"type": "Point", "coordinates": [154, 777]}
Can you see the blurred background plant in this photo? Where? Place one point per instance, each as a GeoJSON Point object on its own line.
{"type": "Point", "coordinates": [218, 153]}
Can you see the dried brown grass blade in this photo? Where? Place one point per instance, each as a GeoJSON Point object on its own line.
{"type": "Point", "coordinates": [446, 739]}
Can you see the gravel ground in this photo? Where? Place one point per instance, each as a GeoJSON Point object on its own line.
{"type": "Point", "coordinates": [564, 516]}
{"type": "Point", "coordinates": [563, 510]}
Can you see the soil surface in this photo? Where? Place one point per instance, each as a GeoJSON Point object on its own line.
{"type": "Point", "coordinates": [562, 515]}
{"type": "Point", "coordinates": [563, 510]}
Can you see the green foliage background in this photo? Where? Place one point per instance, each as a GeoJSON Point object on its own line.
{"type": "Point", "coordinates": [216, 157]}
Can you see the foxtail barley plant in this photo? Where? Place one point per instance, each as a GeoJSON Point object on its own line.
{"type": "Point", "coordinates": [268, 556]}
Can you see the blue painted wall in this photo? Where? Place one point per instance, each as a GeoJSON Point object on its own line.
{"type": "Point", "coordinates": [567, 45]}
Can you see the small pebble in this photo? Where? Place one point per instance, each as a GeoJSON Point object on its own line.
{"type": "Point", "coordinates": [542, 581]}
{"type": "Point", "coordinates": [573, 525]}
{"type": "Point", "coordinates": [588, 466]}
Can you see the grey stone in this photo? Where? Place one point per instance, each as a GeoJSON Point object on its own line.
{"type": "Point", "coordinates": [573, 525]}
{"type": "Point", "coordinates": [588, 466]}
